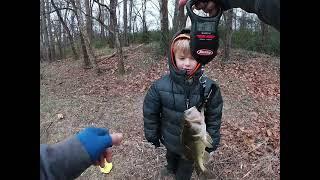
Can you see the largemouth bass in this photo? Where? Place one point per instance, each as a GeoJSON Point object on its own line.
{"type": "Point", "coordinates": [195, 139]}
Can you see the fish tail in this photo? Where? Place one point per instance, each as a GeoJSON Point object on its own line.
{"type": "Point", "coordinates": [203, 175]}
{"type": "Point", "coordinates": [206, 175]}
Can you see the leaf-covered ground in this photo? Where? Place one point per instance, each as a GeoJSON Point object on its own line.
{"type": "Point", "coordinates": [250, 143]}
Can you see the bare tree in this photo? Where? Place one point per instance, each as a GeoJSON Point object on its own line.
{"type": "Point", "coordinates": [84, 35]}
{"type": "Point", "coordinates": [182, 18]}
{"type": "Point", "coordinates": [113, 22]}
{"type": "Point", "coordinates": [73, 24]}
{"type": "Point", "coordinates": [73, 47]}
{"type": "Point", "coordinates": [175, 16]}
{"type": "Point", "coordinates": [264, 34]}
{"type": "Point", "coordinates": [228, 34]}
{"type": "Point", "coordinates": [115, 33]}
{"type": "Point", "coordinates": [58, 34]}
{"type": "Point", "coordinates": [179, 18]}
{"type": "Point", "coordinates": [130, 15]}
{"type": "Point", "coordinates": [235, 18]}
{"type": "Point", "coordinates": [144, 21]}
{"type": "Point", "coordinates": [86, 59]}
{"type": "Point", "coordinates": [243, 20]}
{"type": "Point", "coordinates": [133, 28]}
{"type": "Point", "coordinates": [51, 40]}
{"type": "Point", "coordinates": [164, 26]}
{"type": "Point", "coordinates": [101, 17]}
{"type": "Point", "coordinates": [41, 39]}
{"type": "Point", "coordinates": [125, 24]}
{"type": "Point", "coordinates": [46, 47]}
{"type": "Point", "coordinates": [88, 19]}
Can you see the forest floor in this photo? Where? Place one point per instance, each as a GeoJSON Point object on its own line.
{"type": "Point", "coordinates": [250, 131]}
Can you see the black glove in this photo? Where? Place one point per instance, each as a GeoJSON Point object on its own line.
{"type": "Point", "coordinates": [209, 150]}
{"type": "Point", "coordinates": [156, 143]}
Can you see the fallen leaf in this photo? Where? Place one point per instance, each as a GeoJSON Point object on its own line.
{"type": "Point", "coordinates": [60, 116]}
{"type": "Point", "coordinates": [269, 133]}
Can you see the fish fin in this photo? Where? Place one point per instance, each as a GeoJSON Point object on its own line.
{"type": "Point", "coordinates": [202, 111]}
{"type": "Point", "coordinates": [207, 141]}
{"type": "Point", "coordinates": [206, 156]}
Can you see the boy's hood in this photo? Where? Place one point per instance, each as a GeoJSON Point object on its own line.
{"type": "Point", "coordinates": [180, 76]}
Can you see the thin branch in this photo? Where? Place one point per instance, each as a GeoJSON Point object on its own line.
{"type": "Point", "coordinates": [96, 1]}
{"type": "Point", "coordinates": [58, 9]}
{"type": "Point", "coordinates": [155, 5]}
{"type": "Point", "coordinates": [98, 20]}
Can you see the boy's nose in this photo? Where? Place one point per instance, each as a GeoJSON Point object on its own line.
{"type": "Point", "coordinates": [187, 62]}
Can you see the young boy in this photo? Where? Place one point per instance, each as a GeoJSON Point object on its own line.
{"type": "Point", "coordinates": [167, 99]}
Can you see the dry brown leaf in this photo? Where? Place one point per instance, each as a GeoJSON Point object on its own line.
{"type": "Point", "coordinates": [269, 133]}
{"type": "Point", "coordinates": [60, 116]}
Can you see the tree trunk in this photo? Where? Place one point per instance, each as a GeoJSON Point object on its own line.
{"type": "Point", "coordinates": [125, 23]}
{"type": "Point", "coordinates": [144, 21]}
{"type": "Point", "coordinates": [243, 21]}
{"type": "Point", "coordinates": [113, 18]}
{"type": "Point", "coordinates": [41, 39]}
{"type": "Point", "coordinates": [145, 35]}
{"type": "Point", "coordinates": [182, 18]}
{"type": "Point", "coordinates": [51, 40]}
{"type": "Point", "coordinates": [164, 26]}
{"type": "Point", "coordinates": [264, 34]}
{"type": "Point", "coordinates": [115, 33]}
{"type": "Point", "coordinates": [175, 24]}
{"type": "Point", "coordinates": [72, 25]}
{"type": "Point", "coordinates": [120, 53]}
{"type": "Point", "coordinates": [133, 28]}
{"type": "Point", "coordinates": [58, 34]}
{"type": "Point", "coordinates": [73, 47]}
{"type": "Point", "coordinates": [86, 38]}
{"type": "Point", "coordinates": [113, 22]}
{"type": "Point", "coordinates": [130, 18]}
{"type": "Point", "coordinates": [235, 19]}
{"type": "Point", "coordinates": [86, 60]}
{"type": "Point", "coordinates": [88, 19]}
{"type": "Point", "coordinates": [46, 48]}
{"type": "Point", "coordinates": [228, 35]}
{"type": "Point", "coordinates": [179, 18]}
{"type": "Point", "coordinates": [102, 16]}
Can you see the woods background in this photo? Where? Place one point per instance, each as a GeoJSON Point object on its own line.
{"type": "Point", "coordinates": [76, 27]}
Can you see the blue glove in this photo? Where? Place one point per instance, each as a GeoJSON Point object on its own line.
{"type": "Point", "coordinates": [95, 141]}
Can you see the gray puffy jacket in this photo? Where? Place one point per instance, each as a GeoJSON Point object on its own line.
{"type": "Point", "coordinates": [64, 160]}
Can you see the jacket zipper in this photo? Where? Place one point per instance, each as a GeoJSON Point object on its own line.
{"type": "Point", "coordinates": [188, 102]}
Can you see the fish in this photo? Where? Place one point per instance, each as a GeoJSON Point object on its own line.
{"type": "Point", "coordinates": [195, 138]}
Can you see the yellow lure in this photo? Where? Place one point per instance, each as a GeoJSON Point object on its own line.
{"type": "Point", "coordinates": [107, 167]}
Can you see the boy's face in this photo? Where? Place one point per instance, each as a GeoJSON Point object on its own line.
{"type": "Point", "coordinates": [185, 61]}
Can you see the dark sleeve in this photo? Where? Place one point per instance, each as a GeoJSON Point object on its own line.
{"type": "Point", "coordinates": [213, 116]}
{"type": "Point", "coordinates": [151, 114]}
{"type": "Point", "coordinates": [64, 160]}
{"type": "Point", "coordinates": [268, 11]}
